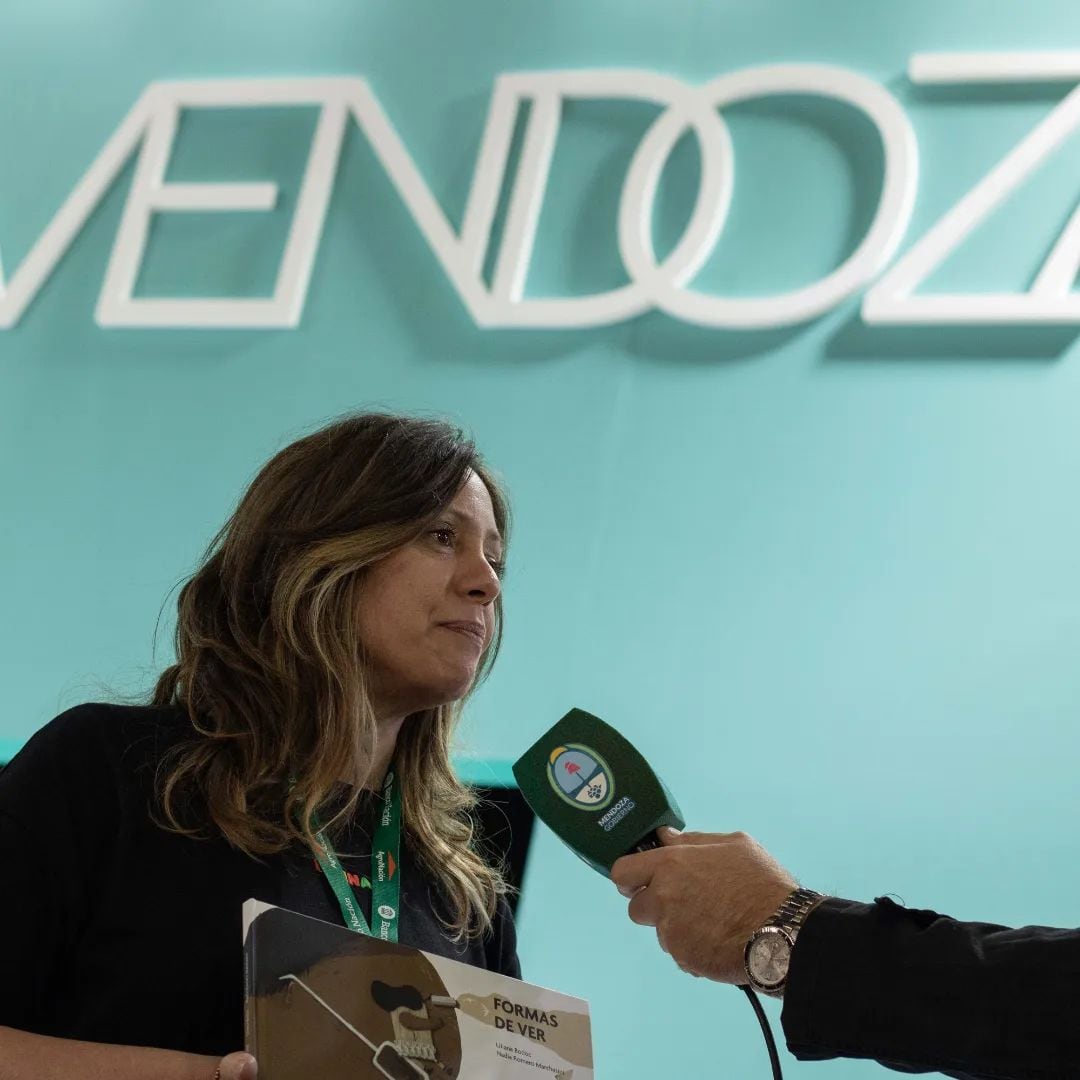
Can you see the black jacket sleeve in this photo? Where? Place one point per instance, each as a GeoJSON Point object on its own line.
{"type": "Point", "coordinates": [921, 992]}
{"type": "Point", "coordinates": [57, 815]}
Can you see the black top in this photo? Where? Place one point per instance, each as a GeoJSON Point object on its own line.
{"type": "Point", "coordinates": [920, 992]}
{"type": "Point", "coordinates": [115, 930]}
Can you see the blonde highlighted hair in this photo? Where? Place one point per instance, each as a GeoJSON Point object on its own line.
{"type": "Point", "coordinates": [270, 665]}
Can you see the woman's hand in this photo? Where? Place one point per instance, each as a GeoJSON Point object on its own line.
{"type": "Point", "coordinates": [238, 1066]}
{"type": "Point", "coordinates": [45, 1057]}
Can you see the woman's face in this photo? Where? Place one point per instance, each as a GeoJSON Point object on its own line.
{"type": "Point", "coordinates": [428, 609]}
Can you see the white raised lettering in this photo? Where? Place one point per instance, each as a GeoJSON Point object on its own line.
{"type": "Point", "coordinates": [1050, 299]}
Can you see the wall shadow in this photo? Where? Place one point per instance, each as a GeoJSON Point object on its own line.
{"type": "Point", "coordinates": [856, 340]}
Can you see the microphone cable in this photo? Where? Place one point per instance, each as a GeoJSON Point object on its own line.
{"type": "Point", "coordinates": [766, 1030]}
{"type": "Point", "coordinates": [650, 843]}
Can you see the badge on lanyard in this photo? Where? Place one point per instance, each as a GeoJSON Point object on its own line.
{"type": "Point", "coordinates": [385, 870]}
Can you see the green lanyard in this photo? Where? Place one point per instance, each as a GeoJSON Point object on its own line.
{"type": "Point", "coordinates": [385, 870]}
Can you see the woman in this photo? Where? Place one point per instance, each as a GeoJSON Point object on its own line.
{"type": "Point", "coordinates": [340, 618]}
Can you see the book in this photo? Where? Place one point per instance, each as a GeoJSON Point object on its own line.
{"type": "Point", "coordinates": [323, 1002]}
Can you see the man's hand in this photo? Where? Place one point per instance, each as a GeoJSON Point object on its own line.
{"type": "Point", "coordinates": [705, 893]}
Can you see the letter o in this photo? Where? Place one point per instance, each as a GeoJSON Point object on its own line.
{"type": "Point", "coordinates": [890, 222]}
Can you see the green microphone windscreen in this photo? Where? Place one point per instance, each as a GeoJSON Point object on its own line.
{"type": "Point", "coordinates": [595, 791]}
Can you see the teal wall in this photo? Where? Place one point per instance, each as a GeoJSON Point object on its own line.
{"type": "Point", "coordinates": [828, 578]}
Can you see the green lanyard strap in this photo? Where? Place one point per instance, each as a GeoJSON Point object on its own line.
{"type": "Point", "coordinates": [385, 870]}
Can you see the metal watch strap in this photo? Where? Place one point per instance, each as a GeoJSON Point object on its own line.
{"type": "Point", "coordinates": [793, 911]}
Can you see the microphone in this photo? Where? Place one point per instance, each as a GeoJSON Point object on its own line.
{"type": "Point", "coordinates": [601, 798]}
{"type": "Point", "coordinates": [595, 791]}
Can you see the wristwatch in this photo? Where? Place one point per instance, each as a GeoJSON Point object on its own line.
{"type": "Point", "coordinates": [768, 952]}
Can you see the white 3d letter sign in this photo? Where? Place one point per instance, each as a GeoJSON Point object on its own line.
{"type": "Point", "coordinates": [151, 127]}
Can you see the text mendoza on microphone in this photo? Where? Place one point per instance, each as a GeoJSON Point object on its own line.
{"type": "Point", "coordinates": [914, 990]}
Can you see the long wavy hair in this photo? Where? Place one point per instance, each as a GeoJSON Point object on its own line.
{"type": "Point", "coordinates": [270, 666]}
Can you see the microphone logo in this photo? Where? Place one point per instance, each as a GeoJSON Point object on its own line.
{"type": "Point", "coordinates": [580, 776]}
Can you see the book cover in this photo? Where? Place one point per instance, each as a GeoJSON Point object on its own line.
{"type": "Point", "coordinates": [324, 1002]}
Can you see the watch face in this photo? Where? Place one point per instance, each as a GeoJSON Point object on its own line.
{"type": "Point", "coordinates": [768, 958]}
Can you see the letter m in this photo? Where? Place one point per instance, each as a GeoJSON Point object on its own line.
{"type": "Point", "coordinates": [153, 122]}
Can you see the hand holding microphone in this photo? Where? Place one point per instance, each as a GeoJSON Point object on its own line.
{"type": "Point", "coordinates": [713, 898]}
{"type": "Point", "coordinates": [706, 894]}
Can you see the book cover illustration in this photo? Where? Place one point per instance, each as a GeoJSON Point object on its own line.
{"type": "Point", "coordinates": [324, 1002]}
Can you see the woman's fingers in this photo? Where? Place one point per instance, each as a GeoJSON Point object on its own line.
{"type": "Point", "coordinates": [238, 1066]}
